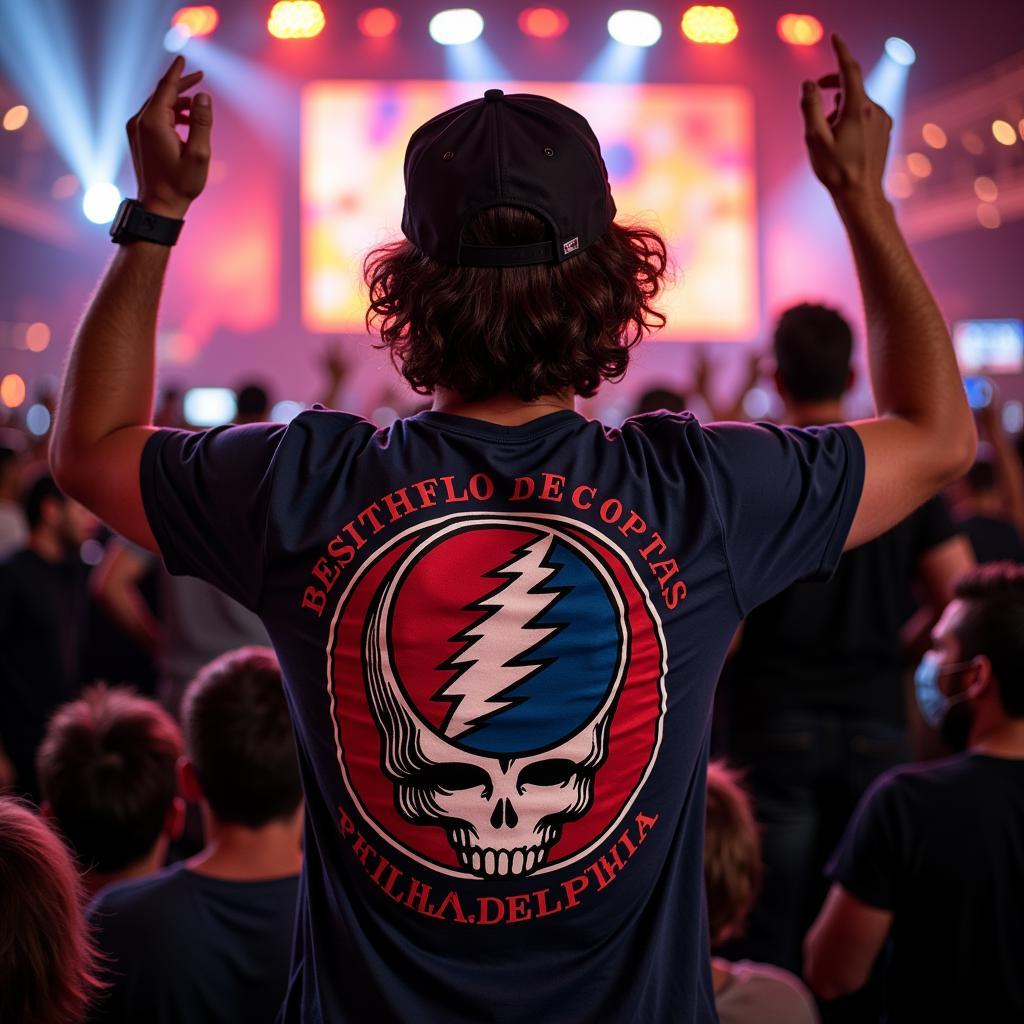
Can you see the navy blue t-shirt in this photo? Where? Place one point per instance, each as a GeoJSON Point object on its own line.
{"type": "Point", "coordinates": [499, 646]}
{"type": "Point", "coordinates": [184, 948]}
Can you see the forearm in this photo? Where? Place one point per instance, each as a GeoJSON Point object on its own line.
{"type": "Point", "coordinates": [131, 613]}
{"type": "Point", "coordinates": [108, 384]}
{"type": "Point", "coordinates": [914, 371]}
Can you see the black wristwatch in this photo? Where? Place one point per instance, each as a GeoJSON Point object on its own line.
{"type": "Point", "coordinates": [134, 223]}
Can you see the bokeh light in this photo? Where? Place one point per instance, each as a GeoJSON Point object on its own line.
{"type": "Point", "coordinates": [15, 117]}
{"type": "Point", "coordinates": [900, 51]}
{"type": "Point", "coordinates": [799, 29]}
{"type": "Point", "coordinates": [196, 21]}
{"type": "Point", "coordinates": [101, 201]}
{"type": "Point", "coordinates": [296, 19]}
{"type": "Point", "coordinates": [972, 142]}
{"type": "Point", "coordinates": [934, 136]}
{"type": "Point", "coordinates": [1013, 417]}
{"type": "Point", "coordinates": [634, 28]}
{"type": "Point", "coordinates": [286, 410]}
{"type": "Point", "coordinates": [986, 189]}
{"type": "Point", "coordinates": [456, 27]}
{"type": "Point", "coordinates": [919, 165]}
{"type": "Point", "coordinates": [543, 22]}
{"type": "Point", "coordinates": [899, 185]}
{"type": "Point", "coordinates": [37, 419]}
{"type": "Point", "coordinates": [988, 215]}
{"type": "Point", "coordinates": [1003, 132]}
{"type": "Point", "coordinates": [64, 187]}
{"type": "Point", "coordinates": [378, 22]}
{"type": "Point", "coordinates": [175, 38]}
{"type": "Point", "coordinates": [91, 552]}
{"type": "Point", "coordinates": [37, 337]}
{"type": "Point", "coordinates": [12, 390]}
{"type": "Point", "coordinates": [707, 24]}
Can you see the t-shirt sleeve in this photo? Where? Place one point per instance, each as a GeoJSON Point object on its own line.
{"type": "Point", "coordinates": [934, 525]}
{"type": "Point", "coordinates": [786, 498]}
{"type": "Point", "coordinates": [206, 497]}
{"type": "Point", "coordinates": [869, 859]}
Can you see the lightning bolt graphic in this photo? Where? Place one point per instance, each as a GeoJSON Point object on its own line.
{"type": "Point", "coordinates": [490, 662]}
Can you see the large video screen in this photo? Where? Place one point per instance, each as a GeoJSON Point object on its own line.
{"type": "Point", "coordinates": [679, 157]}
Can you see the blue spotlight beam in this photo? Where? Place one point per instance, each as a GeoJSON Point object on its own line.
{"type": "Point", "coordinates": [268, 101]}
{"type": "Point", "coordinates": [42, 57]}
{"type": "Point", "coordinates": [617, 63]}
{"type": "Point", "coordinates": [886, 84]}
{"type": "Point", "coordinates": [474, 62]}
{"type": "Point", "coordinates": [41, 61]}
{"type": "Point", "coordinates": [133, 31]}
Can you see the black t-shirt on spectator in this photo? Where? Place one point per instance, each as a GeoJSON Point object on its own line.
{"type": "Point", "coordinates": [42, 615]}
{"type": "Point", "coordinates": [940, 845]}
{"type": "Point", "coordinates": [993, 539]}
{"type": "Point", "coordinates": [836, 646]}
{"type": "Point", "coordinates": [184, 948]}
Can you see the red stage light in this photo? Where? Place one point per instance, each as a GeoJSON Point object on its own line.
{"type": "Point", "coordinates": [196, 21]}
{"type": "Point", "coordinates": [705, 24]}
{"type": "Point", "coordinates": [799, 29]}
{"type": "Point", "coordinates": [378, 22]}
{"type": "Point", "coordinates": [296, 19]}
{"type": "Point", "coordinates": [543, 22]}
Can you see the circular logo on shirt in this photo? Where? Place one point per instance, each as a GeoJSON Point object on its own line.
{"type": "Point", "coordinates": [497, 684]}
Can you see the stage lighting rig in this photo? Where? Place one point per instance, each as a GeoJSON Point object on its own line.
{"type": "Point", "coordinates": [543, 22]}
{"type": "Point", "coordinates": [296, 19]}
{"type": "Point", "coordinates": [378, 22]}
{"type": "Point", "coordinates": [799, 29]}
{"type": "Point", "coordinates": [456, 27]}
{"type": "Point", "coordinates": [101, 201]}
{"type": "Point", "coordinates": [196, 21]}
{"type": "Point", "coordinates": [634, 28]}
{"type": "Point", "coordinates": [900, 51]}
{"type": "Point", "coordinates": [707, 24]}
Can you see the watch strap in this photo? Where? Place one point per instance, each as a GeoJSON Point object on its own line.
{"type": "Point", "coordinates": [135, 223]}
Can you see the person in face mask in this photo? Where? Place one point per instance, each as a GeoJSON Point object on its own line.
{"type": "Point", "coordinates": [932, 859]}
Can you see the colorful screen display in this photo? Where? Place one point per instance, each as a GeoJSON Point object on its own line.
{"type": "Point", "coordinates": [679, 157]}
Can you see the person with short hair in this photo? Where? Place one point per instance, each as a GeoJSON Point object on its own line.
{"type": "Point", "coordinates": [745, 992]}
{"type": "Point", "coordinates": [48, 966]}
{"type": "Point", "coordinates": [43, 617]}
{"type": "Point", "coordinates": [108, 777]}
{"type": "Point", "coordinates": [813, 698]}
{"type": "Point", "coordinates": [209, 940]}
{"type": "Point", "coordinates": [500, 623]}
{"type": "Point", "coordinates": [931, 863]}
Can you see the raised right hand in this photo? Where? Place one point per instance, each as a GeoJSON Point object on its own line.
{"type": "Point", "coordinates": [848, 148]}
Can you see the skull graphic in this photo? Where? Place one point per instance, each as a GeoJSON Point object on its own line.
{"type": "Point", "coordinates": [502, 813]}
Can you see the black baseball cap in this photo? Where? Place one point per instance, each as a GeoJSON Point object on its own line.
{"type": "Point", "coordinates": [518, 150]}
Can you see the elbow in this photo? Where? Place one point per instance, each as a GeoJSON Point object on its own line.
{"type": "Point", "coordinates": [66, 468]}
{"type": "Point", "coordinates": [830, 977]}
{"type": "Point", "coordinates": [827, 989]}
{"type": "Point", "coordinates": [966, 451]}
{"type": "Point", "coordinates": [955, 454]}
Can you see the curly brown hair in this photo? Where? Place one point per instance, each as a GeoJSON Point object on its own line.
{"type": "Point", "coordinates": [529, 331]}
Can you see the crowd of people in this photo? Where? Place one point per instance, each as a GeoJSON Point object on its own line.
{"type": "Point", "coordinates": [853, 833]}
{"type": "Point", "coordinates": [413, 723]}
